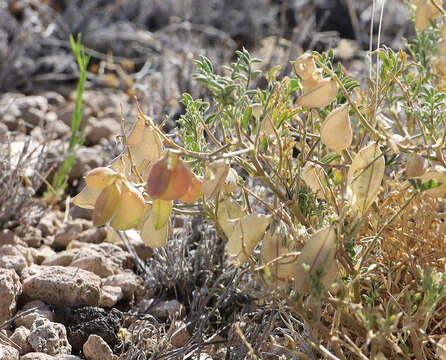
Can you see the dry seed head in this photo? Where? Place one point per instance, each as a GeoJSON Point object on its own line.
{"type": "Point", "coordinates": [321, 95]}
{"type": "Point", "coordinates": [336, 131]}
{"type": "Point", "coordinates": [416, 165]}
{"type": "Point", "coordinates": [100, 177]}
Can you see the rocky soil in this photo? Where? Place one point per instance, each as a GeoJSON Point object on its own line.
{"type": "Point", "coordinates": [69, 290]}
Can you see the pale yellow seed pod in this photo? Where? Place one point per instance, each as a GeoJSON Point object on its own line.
{"type": "Point", "coordinates": [311, 176]}
{"type": "Point", "coordinates": [276, 243]}
{"type": "Point", "coordinates": [100, 177]}
{"type": "Point", "coordinates": [131, 209]}
{"type": "Point", "coordinates": [230, 183]}
{"type": "Point", "coordinates": [416, 165]}
{"type": "Point", "coordinates": [305, 66]}
{"type": "Point", "coordinates": [312, 81]}
{"type": "Point", "coordinates": [321, 95]}
{"type": "Point", "coordinates": [336, 131]}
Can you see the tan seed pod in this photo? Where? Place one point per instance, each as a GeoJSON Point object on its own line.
{"type": "Point", "coordinates": [364, 177]}
{"type": "Point", "coordinates": [244, 233]}
{"type": "Point", "coordinates": [107, 204]}
{"type": "Point", "coordinates": [416, 165]}
{"type": "Point", "coordinates": [230, 183]}
{"type": "Point", "coordinates": [336, 131]}
{"type": "Point", "coordinates": [87, 197]}
{"type": "Point", "coordinates": [214, 178]}
{"type": "Point", "coordinates": [305, 66]}
{"type": "Point", "coordinates": [441, 351]}
{"type": "Point", "coordinates": [131, 209]}
{"type": "Point", "coordinates": [275, 244]}
{"type": "Point", "coordinates": [442, 47]}
{"type": "Point", "coordinates": [312, 176]}
{"type": "Point", "coordinates": [153, 237]}
{"type": "Point", "coordinates": [100, 177]}
{"type": "Point", "coordinates": [318, 254]}
{"type": "Point", "coordinates": [321, 95]}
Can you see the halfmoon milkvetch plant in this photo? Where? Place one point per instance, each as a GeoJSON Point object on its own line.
{"type": "Point", "coordinates": [332, 194]}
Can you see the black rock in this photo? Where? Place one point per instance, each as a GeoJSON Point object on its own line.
{"type": "Point", "coordinates": [82, 322]}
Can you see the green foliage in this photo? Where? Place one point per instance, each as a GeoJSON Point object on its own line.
{"type": "Point", "coordinates": [60, 177]}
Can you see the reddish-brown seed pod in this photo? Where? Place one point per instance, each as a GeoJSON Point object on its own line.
{"type": "Point", "coordinates": [194, 191]}
{"type": "Point", "coordinates": [168, 179]}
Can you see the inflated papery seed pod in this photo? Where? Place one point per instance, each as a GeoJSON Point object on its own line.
{"type": "Point", "coordinates": [155, 238]}
{"type": "Point", "coordinates": [322, 94]}
{"type": "Point", "coordinates": [168, 179]}
{"type": "Point", "coordinates": [277, 243]}
{"type": "Point", "coordinates": [318, 256]}
{"type": "Point", "coordinates": [312, 175]}
{"type": "Point", "coordinates": [100, 177]}
{"type": "Point", "coordinates": [107, 204]}
{"type": "Point", "coordinates": [145, 147]}
{"type": "Point", "coordinates": [364, 177]}
{"type": "Point", "coordinates": [437, 173]}
{"type": "Point", "coordinates": [336, 131]}
{"type": "Point", "coordinates": [214, 177]}
{"type": "Point", "coordinates": [305, 66]}
{"type": "Point", "coordinates": [230, 183]}
{"type": "Point", "coordinates": [425, 13]}
{"type": "Point", "coordinates": [244, 233]}
{"type": "Point", "coordinates": [441, 353]}
{"type": "Point", "coordinates": [194, 191]}
{"type": "Point", "coordinates": [131, 208]}
{"type": "Point", "coordinates": [416, 165]}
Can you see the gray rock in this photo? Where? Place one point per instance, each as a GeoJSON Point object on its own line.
{"type": "Point", "coordinates": [102, 259]}
{"type": "Point", "coordinates": [8, 352]}
{"type": "Point", "coordinates": [128, 281]}
{"type": "Point", "coordinates": [68, 232]}
{"type": "Point", "coordinates": [168, 309]}
{"type": "Point", "coordinates": [49, 337]}
{"type": "Point", "coordinates": [61, 286]}
{"type": "Point", "coordinates": [63, 258]}
{"type": "Point", "coordinates": [97, 349]}
{"type": "Point", "coordinates": [104, 128]}
{"type": "Point", "coordinates": [20, 337]}
{"type": "Point", "coordinates": [110, 295]}
{"type": "Point", "coordinates": [10, 289]}
{"type": "Point", "coordinates": [41, 310]}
